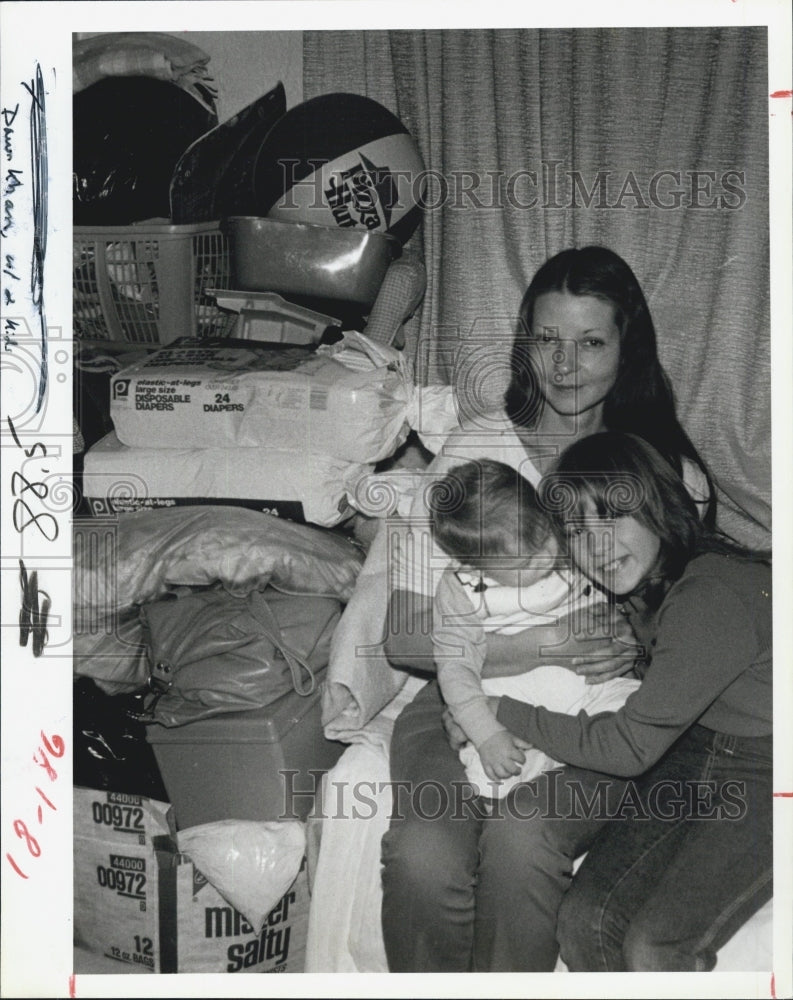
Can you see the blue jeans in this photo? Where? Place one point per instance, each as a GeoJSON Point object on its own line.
{"type": "Point", "coordinates": [664, 890]}
{"type": "Point", "coordinates": [464, 889]}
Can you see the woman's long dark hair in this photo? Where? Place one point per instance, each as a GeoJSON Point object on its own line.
{"type": "Point", "coordinates": [615, 474]}
{"type": "Point", "coordinates": [641, 400]}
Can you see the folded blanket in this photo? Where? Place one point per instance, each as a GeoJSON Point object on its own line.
{"type": "Point", "coordinates": [360, 680]}
{"type": "Point", "coordinates": [344, 921]}
{"type": "Point", "coordinates": [344, 924]}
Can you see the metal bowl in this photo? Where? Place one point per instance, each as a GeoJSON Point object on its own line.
{"type": "Point", "coordinates": [298, 258]}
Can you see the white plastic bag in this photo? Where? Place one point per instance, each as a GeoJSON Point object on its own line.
{"type": "Point", "coordinates": [433, 415]}
{"type": "Point", "coordinates": [250, 863]}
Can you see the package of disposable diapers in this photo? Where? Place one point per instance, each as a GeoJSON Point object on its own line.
{"type": "Point", "coordinates": [265, 395]}
{"type": "Point", "coordinates": [297, 485]}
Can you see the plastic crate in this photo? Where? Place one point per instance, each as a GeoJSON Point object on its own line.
{"type": "Point", "coordinates": [263, 764]}
{"type": "Point", "coordinates": [147, 283]}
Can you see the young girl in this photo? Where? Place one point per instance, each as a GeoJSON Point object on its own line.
{"type": "Point", "coordinates": [487, 517]}
{"type": "Point", "coordinates": [665, 888]}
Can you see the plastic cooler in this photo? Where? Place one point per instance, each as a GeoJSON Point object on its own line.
{"type": "Point", "coordinates": [232, 766]}
{"type": "Point", "coordinates": [148, 283]}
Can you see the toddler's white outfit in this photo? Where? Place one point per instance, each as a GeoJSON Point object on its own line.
{"type": "Point", "coordinates": [467, 607]}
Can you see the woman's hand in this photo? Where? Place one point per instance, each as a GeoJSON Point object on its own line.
{"type": "Point", "coordinates": [611, 654]}
{"type": "Point", "coordinates": [603, 646]}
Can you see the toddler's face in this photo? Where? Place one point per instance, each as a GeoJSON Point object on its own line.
{"type": "Point", "coordinates": [534, 569]}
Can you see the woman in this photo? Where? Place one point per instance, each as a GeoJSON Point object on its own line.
{"type": "Point", "coordinates": [667, 885]}
{"type": "Point", "coordinates": [457, 891]}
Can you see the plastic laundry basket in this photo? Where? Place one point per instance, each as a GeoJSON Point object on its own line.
{"type": "Point", "coordinates": [147, 283]}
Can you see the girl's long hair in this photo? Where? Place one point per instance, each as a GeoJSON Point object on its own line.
{"type": "Point", "coordinates": [641, 400]}
{"type": "Point", "coordinates": [614, 474]}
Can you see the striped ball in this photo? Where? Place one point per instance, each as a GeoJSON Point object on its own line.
{"type": "Point", "coordinates": [341, 160]}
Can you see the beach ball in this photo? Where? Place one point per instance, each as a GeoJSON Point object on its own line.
{"type": "Point", "coordinates": [341, 160]}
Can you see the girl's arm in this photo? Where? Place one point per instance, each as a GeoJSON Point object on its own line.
{"type": "Point", "coordinates": [705, 640]}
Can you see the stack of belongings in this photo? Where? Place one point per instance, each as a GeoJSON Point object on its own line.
{"type": "Point", "coordinates": [207, 624]}
{"type": "Point", "coordinates": [239, 608]}
{"type": "Point", "coordinates": [235, 733]}
{"type": "Point", "coordinates": [277, 417]}
{"type": "Point", "coordinates": [287, 430]}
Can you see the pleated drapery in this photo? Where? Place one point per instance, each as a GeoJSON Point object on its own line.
{"type": "Point", "coordinates": [652, 141]}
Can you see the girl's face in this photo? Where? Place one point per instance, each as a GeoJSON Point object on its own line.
{"type": "Point", "coordinates": [576, 344]}
{"type": "Point", "coordinates": [617, 554]}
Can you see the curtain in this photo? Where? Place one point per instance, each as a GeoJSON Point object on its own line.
{"type": "Point", "coordinates": [652, 141]}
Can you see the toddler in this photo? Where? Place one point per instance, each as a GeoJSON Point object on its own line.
{"type": "Point", "coordinates": [504, 578]}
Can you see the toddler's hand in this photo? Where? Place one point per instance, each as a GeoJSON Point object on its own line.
{"type": "Point", "coordinates": [501, 756]}
{"type": "Point", "coordinates": [454, 733]}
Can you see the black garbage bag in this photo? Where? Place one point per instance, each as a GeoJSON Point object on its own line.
{"type": "Point", "coordinates": [129, 133]}
{"type": "Point", "coordinates": [111, 752]}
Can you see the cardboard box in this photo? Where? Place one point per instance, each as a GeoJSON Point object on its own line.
{"type": "Point", "coordinates": [145, 906]}
{"type": "Point", "coordinates": [201, 932]}
{"type": "Point", "coordinates": [120, 819]}
{"type": "Point", "coordinates": [116, 876]}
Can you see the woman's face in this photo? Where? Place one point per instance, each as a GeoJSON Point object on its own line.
{"type": "Point", "coordinates": [576, 344]}
{"type": "Point", "coordinates": [617, 554]}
